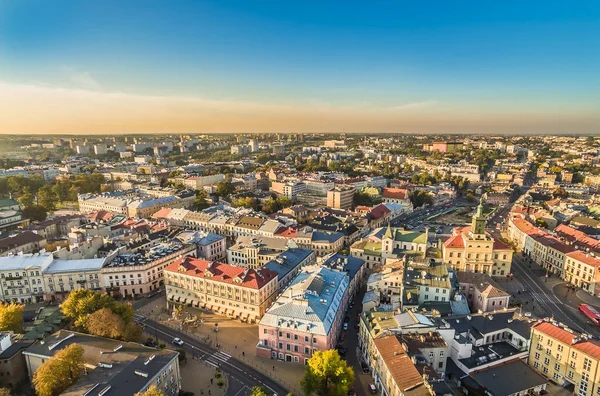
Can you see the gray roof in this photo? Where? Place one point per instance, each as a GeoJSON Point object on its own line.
{"type": "Point", "coordinates": [522, 377]}
{"type": "Point", "coordinates": [342, 262]}
{"type": "Point", "coordinates": [58, 266]}
{"type": "Point", "coordinates": [310, 303]}
{"type": "Point", "coordinates": [287, 261]}
{"type": "Point", "coordinates": [125, 361]}
{"type": "Point", "coordinates": [25, 261]}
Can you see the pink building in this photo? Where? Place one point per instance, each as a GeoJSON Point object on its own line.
{"type": "Point", "coordinates": [307, 317]}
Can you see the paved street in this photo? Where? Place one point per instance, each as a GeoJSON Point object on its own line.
{"type": "Point", "coordinates": [547, 297]}
{"type": "Point", "coordinates": [241, 376]}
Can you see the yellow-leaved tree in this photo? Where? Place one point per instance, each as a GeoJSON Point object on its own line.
{"type": "Point", "coordinates": [326, 374]}
{"type": "Point", "coordinates": [57, 374]}
{"type": "Point", "coordinates": [11, 317]}
{"type": "Point", "coordinates": [151, 391]}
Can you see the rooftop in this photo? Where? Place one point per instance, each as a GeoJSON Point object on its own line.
{"type": "Point", "coordinates": [220, 272]}
{"type": "Point", "coordinates": [120, 361]}
{"type": "Point", "coordinates": [311, 301]}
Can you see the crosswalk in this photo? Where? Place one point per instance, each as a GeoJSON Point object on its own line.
{"type": "Point", "coordinates": [217, 358]}
{"type": "Point", "coordinates": [543, 298]}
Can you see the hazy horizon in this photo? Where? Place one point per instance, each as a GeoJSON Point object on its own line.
{"type": "Point", "coordinates": [70, 67]}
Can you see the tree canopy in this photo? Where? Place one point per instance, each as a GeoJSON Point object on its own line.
{"type": "Point", "coordinates": [151, 391]}
{"type": "Point", "coordinates": [100, 314]}
{"type": "Point", "coordinates": [258, 391]}
{"type": "Point", "coordinates": [326, 374]}
{"type": "Point", "coordinates": [60, 372]}
{"type": "Point", "coordinates": [11, 317]}
{"type": "Point", "coordinates": [225, 188]}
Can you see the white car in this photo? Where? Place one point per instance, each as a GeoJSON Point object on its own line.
{"type": "Point", "coordinates": [177, 341]}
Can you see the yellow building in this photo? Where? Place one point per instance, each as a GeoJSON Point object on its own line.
{"type": "Point", "coordinates": [230, 290]}
{"type": "Point", "coordinates": [566, 357]}
{"type": "Point", "coordinates": [472, 249]}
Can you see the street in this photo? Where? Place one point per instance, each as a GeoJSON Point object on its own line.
{"type": "Point", "coordinates": [543, 295]}
{"type": "Point", "coordinates": [241, 376]}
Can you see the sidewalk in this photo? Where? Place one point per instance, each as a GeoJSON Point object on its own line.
{"type": "Point", "coordinates": [196, 376]}
{"type": "Point", "coordinates": [235, 338]}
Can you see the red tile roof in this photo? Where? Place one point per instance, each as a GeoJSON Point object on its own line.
{"type": "Point", "coordinates": [395, 193]}
{"type": "Point", "coordinates": [379, 211]}
{"type": "Point", "coordinates": [499, 245]}
{"type": "Point", "coordinates": [584, 258]}
{"type": "Point", "coordinates": [223, 273]}
{"type": "Point", "coordinates": [162, 213]}
{"type": "Point", "coordinates": [398, 363]}
{"type": "Point", "coordinates": [287, 232]}
{"type": "Point", "coordinates": [591, 348]}
{"type": "Point", "coordinates": [455, 242]}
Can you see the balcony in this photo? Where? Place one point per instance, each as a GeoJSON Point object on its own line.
{"type": "Point", "coordinates": [82, 281]}
{"type": "Point", "coordinates": [17, 277]}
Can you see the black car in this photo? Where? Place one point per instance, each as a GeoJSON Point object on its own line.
{"type": "Point", "coordinates": [342, 350]}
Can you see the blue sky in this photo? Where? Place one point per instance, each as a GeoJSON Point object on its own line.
{"type": "Point", "coordinates": [498, 58]}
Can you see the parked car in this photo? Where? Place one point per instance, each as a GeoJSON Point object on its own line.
{"type": "Point", "coordinates": [372, 389]}
{"type": "Point", "coordinates": [177, 341]}
{"type": "Point", "coordinates": [345, 326]}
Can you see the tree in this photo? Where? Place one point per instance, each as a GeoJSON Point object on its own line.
{"type": "Point", "coordinates": [326, 374]}
{"type": "Point", "coordinates": [47, 198]}
{"type": "Point", "coordinates": [200, 202]}
{"type": "Point", "coordinates": [60, 372]}
{"type": "Point", "coordinates": [225, 188]}
{"type": "Point", "coordinates": [84, 302]}
{"type": "Point", "coordinates": [105, 323]}
{"type": "Point", "coordinates": [560, 193]}
{"type": "Point", "coordinates": [258, 391]}
{"type": "Point", "coordinates": [11, 317]}
{"type": "Point", "coordinates": [35, 212]}
{"type": "Point", "coordinates": [133, 332]}
{"type": "Point", "coordinates": [4, 392]}
{"type": "Point", "coordinates": [151, 391]}
{"type": "Point", "coordinates": [420, 198]}
{"type": "Point", "coordinates": [26, 199]}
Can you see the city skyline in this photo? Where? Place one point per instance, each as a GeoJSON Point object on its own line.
{"type": "Point", "coordinates": [74, 68]}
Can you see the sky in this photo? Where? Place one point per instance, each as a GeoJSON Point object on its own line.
{"type": "Point", "coordinates": [200, 66]}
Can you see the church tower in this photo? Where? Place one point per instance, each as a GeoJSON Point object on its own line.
{"type": "Point", "coordinates": [478, 223]}
{"type": "Point", "coordinates": [387, 242]}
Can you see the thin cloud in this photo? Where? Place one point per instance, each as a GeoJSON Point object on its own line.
{"type": "Point", "coordinates": [416, 105]}
{"type": "Point", "coordinates": [82, 79]}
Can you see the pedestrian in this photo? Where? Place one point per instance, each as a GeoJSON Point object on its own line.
{"type": "Point", "coordinates": [211, 381]}
{"type": "Point", "coordinates": [243, 353]}
{"type": "Point", "coordinates": [273, 368]}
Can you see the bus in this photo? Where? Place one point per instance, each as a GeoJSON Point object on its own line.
{"type": "Point", "coordinates": [591, 313]}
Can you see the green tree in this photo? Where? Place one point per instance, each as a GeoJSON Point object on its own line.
{"type": "Point", "coordinates": [60, 372]}
{"type": "Point", "coordinates": [47, 198]}
{"type": "Point", "coordinates": [246, 202]}
{"type": "Point", "coordinates": [200, 202]}
{"type": "Point", "coordinates": [61, 189]}
{"type": "Point", "coordinates": [35, 212]}
{"type": "Point", "coordinates": [326, 374]}
{"type": "Point", "coordinates": [11, 317]}
{"type": "Point", "coordinates": [151, 391]}
{"type": "Point", "coordinates": [420, 198]}
{"type": "Point", "coordinates": [26, 199]}
{"type": "Point", "coordinates": [225, 188]}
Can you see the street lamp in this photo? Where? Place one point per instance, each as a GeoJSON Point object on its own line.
{"type": "Point", "coordinates": [217, 333]}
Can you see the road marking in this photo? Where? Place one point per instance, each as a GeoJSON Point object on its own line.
{"type": "Point", "coordinates": [244, 387]}
{"type": "Point", "coordinates": [550, 300]}
{"type": "Point", "coordinates": [215, 353]}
